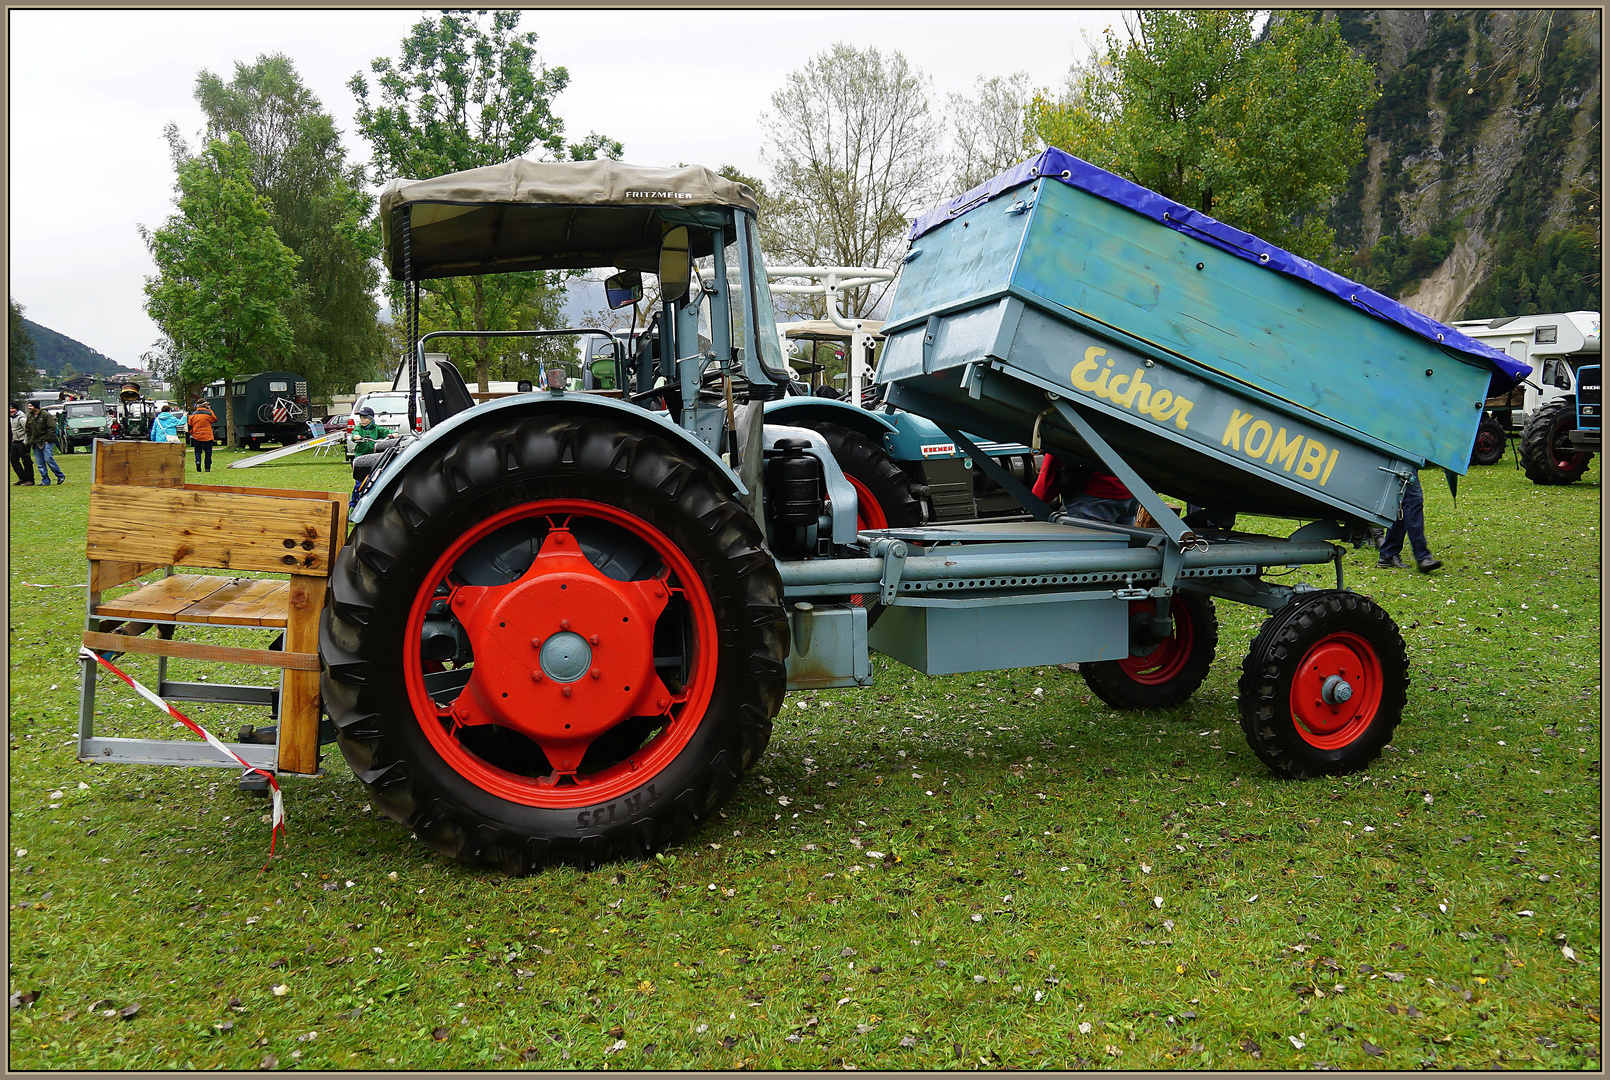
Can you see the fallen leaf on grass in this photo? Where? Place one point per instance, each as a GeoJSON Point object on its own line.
{"type": "Point", "coordinates": [22, 1001]}
{"type": "Point", "coordinates": [281, 990]}
{"type": "Point", "coordinates": [530, 1053]}
{"type": "Point", "coordinates": [1252, 1048]}
{"type": "Point", "coordinates": [729, 1042]}
{"type": "Point", "coordinates": [269, 1062]}
{"type": "Point", "coordinates": [908, 1042]}
{"type": "Point", "coordinates": [129, 1012]}
{"type": "Point", "coordinates": [1373, 1050]}
{"type": "Point", "coordinates": [440, 1033]}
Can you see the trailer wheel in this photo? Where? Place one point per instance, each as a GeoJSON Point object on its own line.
{"type": "Point", "coordinates": [1490, 441]}
{"type": "Point", "coordinates": [1546, 454]}
{"type": "Point", "coordinates": [557, 641]}
{"type": "Point", "coordinates": [1324, 685]}
{"type": "Point", "coordinates": [1164, 674]}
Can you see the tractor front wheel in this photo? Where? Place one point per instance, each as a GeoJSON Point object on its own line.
{"type": "Point", "coordinates": [1546, 453]}
{"type": "Point", "coordinates": [1159, 674]}
{"type": "Point", "coordinates": [1490, 442]}
{"type": "Point", "coordinates": [1324, 685]}
{"type": "Point", "coordinates": [554, 641]}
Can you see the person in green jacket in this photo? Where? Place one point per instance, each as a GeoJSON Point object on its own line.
{"type": "Point", "coordinates": [367, 432]}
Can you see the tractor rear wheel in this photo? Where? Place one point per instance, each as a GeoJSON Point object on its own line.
{"type": "Point", "coordinates": [556, 640]}
{"type": "Point", "coordinates": [1324, 685]}
{"type": "Point", "coordinates": [1490, 442]}
{"type": "Point", "coordinates": [1166, 673]}
{"type": "Point", "coordinates": [1546, 454]}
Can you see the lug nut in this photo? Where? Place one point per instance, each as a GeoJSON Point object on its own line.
{"type": "Point", "coordinates": [597, 672]}
{"type": "Point", "coordinates": [593, 639]}
{"type": "Point", "coordinates": [566, 691]}
{"type": "Point", "coordinates": [536, 643]}
{"type": "Point", "coordinates": [662, 703]}
{"type": "Point", "coordinates": [536, 676]}
{"type": "Point", "coordinates": [564, 624]}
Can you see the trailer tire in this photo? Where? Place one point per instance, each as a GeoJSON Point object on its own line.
{"type": "Point", "coordinates": [1288, 713]}
{"type": "Point", "coordinates": [503, 787]}
{"type": "Point", "coordinates": [883, 493]}
{"type": "Point", "coordinates": [1490, 442]}
{"type": "Point", "coordinates": [1545, 454]}
{"type": "Point", "coordinates": [1168, 673]}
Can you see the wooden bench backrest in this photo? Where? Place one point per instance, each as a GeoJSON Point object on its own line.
{"type": "Point", "coordinates": [142, 516]}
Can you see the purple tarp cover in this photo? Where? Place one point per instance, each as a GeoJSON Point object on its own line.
{"type": "Point", "coordinates": [1059, 165]}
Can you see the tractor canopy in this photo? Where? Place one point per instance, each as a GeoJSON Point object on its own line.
{"type": "Point", "coordinates": [540, 215]}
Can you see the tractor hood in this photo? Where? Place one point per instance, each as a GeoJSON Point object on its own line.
{"type": "Point", "coordinates": [540, 215]}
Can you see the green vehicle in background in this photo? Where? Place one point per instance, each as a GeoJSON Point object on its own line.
{"type": "Point", "coordinates": [80, 423]}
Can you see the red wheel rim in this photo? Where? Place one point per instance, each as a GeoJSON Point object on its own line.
{"type": "Point", "coordinates": [565, 657]}
{"type": "Point", "coordinates": [1339, 659]}
{"type": "Point", "coordinates": [1169, 658]}
{"type": "Point", "coordinates": [1486, 442]}
{"type": "Point", "coordinates": [868, 511]}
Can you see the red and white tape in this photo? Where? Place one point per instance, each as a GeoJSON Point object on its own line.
{"type": "Point", "coordinates": [278, 817]}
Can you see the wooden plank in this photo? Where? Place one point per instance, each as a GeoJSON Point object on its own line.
{"type": "Point", "coordinates": [142, 464]}
{"type": "Point", "coordinates": [192, 528]}
{"type": "Point", "coordinates": [109, 573]}
{"type": "Point", "coordinates": [269, 492]}
{"type": "Point", "coordinates": [301, 662]}
{"type": "Point", "coordinates": [162, 599]}
{"type": "Point", "coordinates": [253, 602]}
{"type": "Point", "coordinates": [299, 697]}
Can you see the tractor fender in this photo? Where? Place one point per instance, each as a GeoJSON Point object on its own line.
{"type": "Point", "coordinates": [803, 411]}
{"type": "Point", "coordinates": [541, 403]}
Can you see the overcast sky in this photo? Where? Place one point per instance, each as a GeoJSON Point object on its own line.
{"type": "Point", "coordinates": [90, 92]}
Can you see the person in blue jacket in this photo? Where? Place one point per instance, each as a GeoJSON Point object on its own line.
{"type": "Point", "coordinates": [165, 428]}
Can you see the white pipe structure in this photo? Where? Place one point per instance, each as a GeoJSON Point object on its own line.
{"type": "Point", "coordinates": [833, 280]}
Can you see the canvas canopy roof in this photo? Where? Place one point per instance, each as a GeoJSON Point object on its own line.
{"type": "Point", "coordinates": [541, 215]}
{"type": "Point", "coordinates": [824, 328]}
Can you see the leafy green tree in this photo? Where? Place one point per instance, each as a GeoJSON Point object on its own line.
{"type": "Point", "coordinates": [1260, 134]}
{"type": "Point", "coordinates": [851, 151]}
{"type": "Point", "coordinates": [319, 209]}
{"type": "Point", "coordinates": [992, 130]}
{"type": "Point", "coordinates": [21, 355]}
{"type": "Point", "coordinates": [469, 91]}
{"type": "Point", "coordinates": [223, 277]}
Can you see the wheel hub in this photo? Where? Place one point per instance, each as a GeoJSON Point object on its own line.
{"type": "Point", "coordinates": [562, 654]}
{"type": "Point", "coordinates": [1324, 688]}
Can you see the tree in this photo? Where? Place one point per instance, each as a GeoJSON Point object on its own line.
{"type": "Point", "coordinates": [1260, 134]}
{"type": "Point", "coordinates": [21, 355]}
{"type": "Point", "coordinates": [852, 160]}
{"type": "Point", "coordinates": [992, 130]}
{"type": "Point", "coordinates": [468, 92]}
{"type": "Point", "coordinates": [319, 209]}
{"type": "Point", "coordinates": [223, 277]}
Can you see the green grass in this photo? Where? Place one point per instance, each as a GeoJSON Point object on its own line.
{"type": "Point", "coordinates": [955, 872]}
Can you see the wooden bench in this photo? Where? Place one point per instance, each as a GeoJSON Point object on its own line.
{"type": "Point", "coordinates": [143, 517]}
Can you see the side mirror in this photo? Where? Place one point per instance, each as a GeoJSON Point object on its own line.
{"type": "Point", "coordinates": [624, 288]}
{"type": "Point", "coordinates": [676, 264]}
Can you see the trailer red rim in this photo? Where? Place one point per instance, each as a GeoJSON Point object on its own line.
{"type": "Point", "coordinates": [1164, 662]}
{"type": "Point", "coordinates": [1337, 691]}
{"type": "Point", "coordinates": [564, 665]}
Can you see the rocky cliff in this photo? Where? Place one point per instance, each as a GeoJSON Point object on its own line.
{"type": "Point", "coordinates": [1480, 193]}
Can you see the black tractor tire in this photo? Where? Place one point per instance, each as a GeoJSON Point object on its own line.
{"type": "Point", "coordinates": [1491, 438]}
{"type": "Point", "coordinates": [484, 795]}
{"type": "Point", "coordinates": [884, 495]}
{"type": "Point", "coordinates": [884, 498]}
{"type": "Point", "coordinates": [1164, 674]}
{"type": "Point", "coordinates": [1289, 719]}
{"type": "Point", "coordinates": [1546, 455]}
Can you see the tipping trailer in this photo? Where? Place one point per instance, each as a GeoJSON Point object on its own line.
{"type": "Point", "coordinates": [564, 620]}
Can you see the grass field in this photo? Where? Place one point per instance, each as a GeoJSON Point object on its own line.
{"type": "Point", "coordinates": [972, 871]}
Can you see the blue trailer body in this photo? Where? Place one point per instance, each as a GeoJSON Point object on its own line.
{"type": "Point", "coordinates": [1067, 279]}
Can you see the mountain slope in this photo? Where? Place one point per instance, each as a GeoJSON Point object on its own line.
{"type": "Point", "coordinates": [1480, 193]}
{"type": "Point", "coordinates": [57, 351]}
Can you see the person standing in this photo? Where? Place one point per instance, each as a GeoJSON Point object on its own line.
{"type": "Point", "coordinates": [165, 428]}
{"type": "Point", "coordinates": [202, 419]}
{"type": "Point", "coordinates": [21, 461]}
{"type": "Point", "coordinates": [1411, 523]}
{"type": "Point", "coordinates": [40, 432]}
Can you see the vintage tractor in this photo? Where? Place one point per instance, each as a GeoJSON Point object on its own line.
{"type": "Point", "coordinates": [564, 620]}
